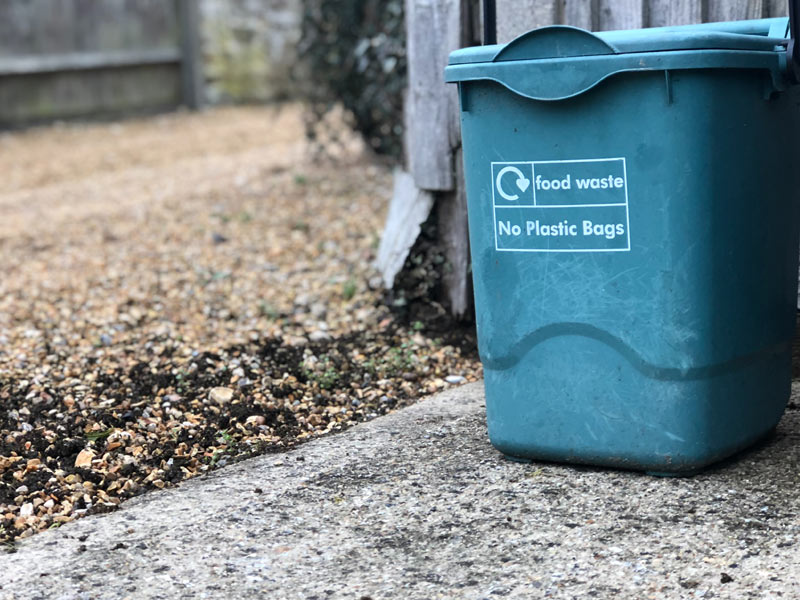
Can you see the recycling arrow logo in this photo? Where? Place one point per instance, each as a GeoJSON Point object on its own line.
{"type": "Point", "coordinates": [523, 183]}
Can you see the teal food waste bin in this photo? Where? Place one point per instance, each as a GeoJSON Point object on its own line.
{"type": "Point", "coordinates": [633, 215]}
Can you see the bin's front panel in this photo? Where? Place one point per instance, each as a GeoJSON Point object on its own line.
{"type": "Point", "coordinates": [635, 258]}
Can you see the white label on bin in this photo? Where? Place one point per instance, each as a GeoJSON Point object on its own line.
{"type": "Point", "coordinates": [561, 206]}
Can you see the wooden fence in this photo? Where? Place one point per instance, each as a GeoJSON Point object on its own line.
{"type": "Point", "coordinates": [77, 58]}
{"type": "Point", "coordinates": [517, 16]}
{"type": "Point", "coordinates": [435, 28]}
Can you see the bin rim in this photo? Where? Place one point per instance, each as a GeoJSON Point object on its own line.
{"type": "Point", "coordinates": [760, 34]}
{"type": "Point", "coordinates": [564, 78]}
{"type": "Point", "coordinates": [560, 62]}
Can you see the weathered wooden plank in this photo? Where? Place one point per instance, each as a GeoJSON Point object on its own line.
{"type": "Point", "coordinates": [408, 210]}
{"type": "Point", "coordinates": [191, 53]}
{"type": "Point", "coordinates": [47, 27]}
{"type": "Point", "coordinates": [430, 102]}
{"type": "Point", "coordinates": [579, 13]}
{"type": "Point", "coordinates": [515, 17]}
{"type": "Point", "coordinates": [735, 10]}
{"type": "Point", "coordinates": [84, 61]}
{"type": "Point", "coordinates": [674, 12]}
{"type": "Point", "coordinates": [435, 27]}
{"type": "Point", "coordinates": [78, 58]}
{"type": "Point", "coordinates": [777, 8]}
{"type": "Point", "coordinates": [473, 22]}
{"type": "Point", "coordinates": [79, 94]}
{"type": "Point", "coordinates": [463, 29]}
{"type": "Point", "coordinates": [36, 27]}
{"type": "Point", "coordinates": [619, 14]}
{"type": "Point", "coordinates": [451, 210]}
{"type": "Point", "coordinates": [122, 24]}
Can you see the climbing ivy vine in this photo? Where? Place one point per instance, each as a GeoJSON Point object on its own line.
{"type": "Point", "coordinates": [353, 55]}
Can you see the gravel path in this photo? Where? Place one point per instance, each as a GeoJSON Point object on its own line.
{"type": "Point", "coordinates": [418, 505]}
{"type": "Point", "coordinates": [181, 292]}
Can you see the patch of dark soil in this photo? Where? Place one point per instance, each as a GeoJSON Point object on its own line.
{"type": "Point", "coordinates": [154, 424]}
{"type": "Point", "coordinates": [418, 299]}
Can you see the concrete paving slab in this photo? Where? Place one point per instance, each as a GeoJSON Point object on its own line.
{"type": "Point", "coordinates": [419, 505]}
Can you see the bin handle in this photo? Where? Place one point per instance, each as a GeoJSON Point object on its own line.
{"type": "Point", "coordinates": [554, 41]}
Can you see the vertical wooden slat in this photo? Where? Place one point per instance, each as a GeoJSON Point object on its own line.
{"type": "Point", "coordinates": [55, 23]}
{"type": "Point", "coordinates": [475, 25]}
{"type": "Point", "coordinates": [452, 206]}
{"type": "Point", "coordinates": [777, 8]}
{"type": "Point", "coordinates": [662, 13]}
{"type": "Point", "coordinates": [408, 210]}
{"type": "Point", "coordinates": [191, 54]}
{"type": "Point", "coordinates": [579, 13]}
{"type": "Point", "coordinates": [620, 14]}
{"type": "Point", "coordinates": [430, 101]}
{"type": "Point", "coordinates": [433, 144]}
{"type": "Point", "coordinates": [462, 30]}
{"type": "Point", "coordinates": [515, 17]}
{"type": "Point", "coordinates": [735, 10]}
{"type": "Point", "coordinates": [454, 234]}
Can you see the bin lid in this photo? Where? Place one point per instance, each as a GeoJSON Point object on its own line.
{"type": "Point", "coordinates": [562, 61]}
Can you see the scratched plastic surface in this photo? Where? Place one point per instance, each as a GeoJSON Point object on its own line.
{"type": "Point", "coordinates": [634, 249]}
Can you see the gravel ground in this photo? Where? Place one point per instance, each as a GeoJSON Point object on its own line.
{"type": "Point", "coordinates": [181, 292]}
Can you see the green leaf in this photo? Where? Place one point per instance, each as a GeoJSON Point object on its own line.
{"type": "Point", "coordinates": [93, 436]}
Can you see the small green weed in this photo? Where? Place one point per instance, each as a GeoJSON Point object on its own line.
{"type": "Point", "coordinates": [349, 289]}
{"type": "Point", "coordinates": [215, 457]}
{"type": "Point", "coordinates": [395, 362]}
{"type": "Point", "coordinates": [93, 436]}
{"type": "Point", "coordinates": [326, 377]}
{"type": "Point", "coordinates": [265, 309]}
{"type": "Point", "coordinates": [302, 226]}
{"type": "Point", "coordinates": [399, 360]}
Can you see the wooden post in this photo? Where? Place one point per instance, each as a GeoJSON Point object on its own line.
{"type": "Point", "coordinates": [433, 32]}
{"type": "Point", "coordinates": [433, 140]}
{"type": "Point", "coordinates": [191, 53]}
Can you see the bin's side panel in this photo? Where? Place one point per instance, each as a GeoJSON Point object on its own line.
{"type": "Point", "coordinates": [634, 259]}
